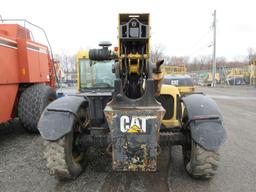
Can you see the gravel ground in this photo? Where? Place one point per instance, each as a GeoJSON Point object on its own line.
{"type": "Point", "coordinates": [22, 167]}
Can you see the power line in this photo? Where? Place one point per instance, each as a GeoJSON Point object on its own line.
{"type": "Point", "coordinates": [212, 28]}
{"type": "Point", "coordinates": [200, 39]}
{"type": "Point", "coordinates": [199, 49]}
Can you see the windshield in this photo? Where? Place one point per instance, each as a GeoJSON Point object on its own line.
{"type": "Point", "coordinates": [96, 74]}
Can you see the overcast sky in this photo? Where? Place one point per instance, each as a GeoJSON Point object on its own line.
{"type": "Point", "coordinates": [182, 27]}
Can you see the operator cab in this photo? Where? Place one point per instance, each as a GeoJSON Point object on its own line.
{"type": "Point", "coordinates": [96, 82]}
{"type": "Point", "coordinates": [96, 74]}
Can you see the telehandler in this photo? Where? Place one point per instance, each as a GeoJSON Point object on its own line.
{"type": "Point", "coordinates": [128, 113]}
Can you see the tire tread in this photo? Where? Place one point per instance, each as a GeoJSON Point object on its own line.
{"type": "Point", "coordinates": [203, 164]}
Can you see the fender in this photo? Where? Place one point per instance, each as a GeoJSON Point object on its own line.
{"type": "Point", "coordinates": [59, 116]}
{"type": "Point", "coordinates": [205, 121]}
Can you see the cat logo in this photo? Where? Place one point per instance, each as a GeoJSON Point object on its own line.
{"type": "Point", "coordinates": [134, 124]}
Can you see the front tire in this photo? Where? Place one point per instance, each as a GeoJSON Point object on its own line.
{"type": "Point", "coordinates": [200, 163]}
{"type": "Point", "coordinates": [60, 159]}
{"type": "Point", "coordinates": [64, 157]}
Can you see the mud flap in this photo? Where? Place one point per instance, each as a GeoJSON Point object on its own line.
{"type": "Point", "coordinates": [205, 121]}
{"type": "Point", "coordinates": [59, 116]}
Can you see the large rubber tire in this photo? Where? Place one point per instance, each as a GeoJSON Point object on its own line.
{"type": "Point", "coordinates": [200, 163]}
{"type": "Point", "coordinates": [60, 156]}
{"type": "Point", "coordinates": [32, 102]}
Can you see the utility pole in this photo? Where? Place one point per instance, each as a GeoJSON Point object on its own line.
{"type": "Point", "coordinates": [214, 50]}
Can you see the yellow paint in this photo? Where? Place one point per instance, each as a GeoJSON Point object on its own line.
{"type": "Point", "coordinates": [187, 89]}
{"type": "Point", "coordinates": [209, 77]}
{"type": "Point", "coordinates": [134, 68]}
{"type": "Point", "coordinates": [80, 55]}
{"type": "Point", "coordinates": [134, 129]}
{"type": "Point", "coordinates": [174, 92]}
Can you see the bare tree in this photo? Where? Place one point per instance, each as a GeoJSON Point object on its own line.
{"type": "Point", "coordinates": [167, 60]}
{"type": "Point", "coordinates": [157, 53]}
{"type": "Point", "coordinates": [181, 60]}
{"type": "Point", "coordinates": [221, 61]}
{"type": "Point", "coordinates": [67, 62]}
{"type": "Point", "coordinates": [251, 54]}
{"type": "Point", "coordinates": [202, 62]}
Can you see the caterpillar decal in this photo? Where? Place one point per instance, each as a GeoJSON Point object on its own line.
{"type": "Point", "coordinates": [134, 124]}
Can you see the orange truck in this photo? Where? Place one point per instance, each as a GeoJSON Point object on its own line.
{"type": "Point", "coordinates": [27, 80]}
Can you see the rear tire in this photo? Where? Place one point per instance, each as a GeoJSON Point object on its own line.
{"type": "Point", "coordinates": [200, 163]}
{"type": "Point", "coordinates": [32, 102]}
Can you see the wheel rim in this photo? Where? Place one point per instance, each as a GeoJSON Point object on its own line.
{"type": "Point", "coordinates": [78, 157]}
{"type": "Point", "coordinates": [76, 153]}
{"type": "Point", "coordinates": [187, 153]}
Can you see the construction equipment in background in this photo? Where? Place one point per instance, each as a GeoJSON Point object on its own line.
{"type": "Point", "coordinates": [238, 76]}
{"type": "Point", "coordinates": [183, 82]}
{"type": "Point", "coordinates": [223, 71]}
{"type": "Point", "coordinates": [176, 75]}
{"type": "Point", "coordinates": [124, 112]}
{"type": "Point", "coordinates": [242, 75]}
{"type": "Point", "coordinates": [252, 67]}
{"type": "Point", "coordinates": [174, 69]}
{"type": "Point", "coordinates": [27, 74]}
{"type": "Point", "coordinates": [208, 79]}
